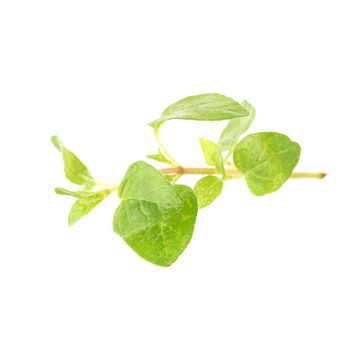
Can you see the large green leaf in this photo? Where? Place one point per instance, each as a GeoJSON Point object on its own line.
{"type": "Point", "coordinates": [266, 159]}
{"type": "Point", "coordinates": [157, 234]}
{"type": "Point", "coordinates": [212, 155]}
{"type": "Point", "coordinates": [74, 169]}
{"type": "Point", "coordinates": [207, 189]}
{"type": "Point", "coordinates": [236, 127]}
{"type": "Point", "coordinates": [202, 107]}
{"type": "Point", "coordinates": [155, 218]}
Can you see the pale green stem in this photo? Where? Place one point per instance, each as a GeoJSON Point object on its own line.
{"type": "Point", "coordinates": [163, 149]}
{"type": "Point", "coordinates": [233, 173]}
{"type": "Point", "coordinates": [303, 175]}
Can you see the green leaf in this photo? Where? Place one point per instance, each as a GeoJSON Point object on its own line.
{"type": "Point", "coordinates": [63, 191]}
{"type": "Point", "coordinates": [160, 157]}
{"type": "Point", "coordinates": [85, 204]}
{"type": "Point", "coordinates": [209, 107]}
{"type": "Point", "coordinates": [212, 155]}
{"type": "Point", "coordinates": [76, 194]}
{"type": "Point", "coordinates": [236, 127]}
{"type": "Point", "coordinates": [74, 169]}
{"type": "Point", "coordinates": [155, 218]}
{"type": "Point", "coordinates": [159, 234]}
{"type": "Point", "coordinates": [266, 159]}
{"type": "Point", "coordinates": [207, 189]}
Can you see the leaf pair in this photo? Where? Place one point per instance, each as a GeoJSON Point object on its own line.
{"type": "Point", "coordinates": [77, 172]}
{"type": "Point", "coordinates": [265, 159]}
{"type": "Point", "coordinates": [155, 218]}
{"type": "Point", "coordinates": [208, 188]}
{"type": "Point", "coordinates": [86, 201]}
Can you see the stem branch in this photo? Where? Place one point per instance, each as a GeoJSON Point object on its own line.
{"type": "Point", "coordinates": [163, 149]}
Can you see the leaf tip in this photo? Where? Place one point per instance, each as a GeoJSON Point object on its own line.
{"type": "Point", "coordinates": [71, 223]}
{"type": "Point", "coordinates": [72, 219]}
{"type": "Point", "coordinates": [58, 190]}
{"type": "Point", "coordinates": [202, 141]}
{"type": "Point", "coordinates": [155, 124]}
{"type": "Point", "coordinates": [56, 141]}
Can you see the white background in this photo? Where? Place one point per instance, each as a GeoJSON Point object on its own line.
{"type": "Point", "coordinates": [260, 273]}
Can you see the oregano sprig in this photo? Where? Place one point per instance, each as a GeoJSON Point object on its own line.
{"type": "Point", "coordinates": [156, 216]}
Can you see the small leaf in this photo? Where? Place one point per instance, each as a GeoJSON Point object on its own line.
{"type": "Point", "coordinates": [159, 234]}
{"type": "Point", "coordinates": [63, 191]}
{"type": "Point", "coordinates": [74, 169]}
{"type": "Point", "coordinates": [209, 107]}
{"type": "Point", "coordinates": [76, 194]}
{"type": "Point", "coordinates": [207, 189]}
{"type": "Point", "coordinates": [84, 205]}
{"type": "Point", "coordinates": [160, 157]}
{"type": "Point", "coordinates": [266, 159]}
{"type": "Point", "coordinates": [212, 155]}
{"type": "Point", "coordinates": [236, 127]}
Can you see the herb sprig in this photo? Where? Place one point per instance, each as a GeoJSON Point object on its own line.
{"type": "Point", "coordinates": [156, 216]}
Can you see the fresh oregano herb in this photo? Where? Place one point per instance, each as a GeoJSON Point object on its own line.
{"type": "Point", "coordinates": [156, 216]}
